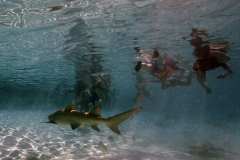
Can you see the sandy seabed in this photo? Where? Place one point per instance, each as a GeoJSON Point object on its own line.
{"type": "Point", "coordinates": [22, 136]}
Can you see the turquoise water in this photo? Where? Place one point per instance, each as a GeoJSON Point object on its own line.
{"type": "Point", "coordinates": [51, 51]}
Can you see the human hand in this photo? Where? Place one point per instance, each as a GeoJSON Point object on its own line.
{"type": "Point", "coordinates": [163, 87]}
{"type": "Point", "coordinates": [222, 76]}
{"type": "Point", "coordinates": [208, 90]}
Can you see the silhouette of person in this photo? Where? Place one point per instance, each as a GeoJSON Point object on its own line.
{"type": "Point", "coordinates": [209, 57]}
{"type": "Point", "coordinates": [96, 94]}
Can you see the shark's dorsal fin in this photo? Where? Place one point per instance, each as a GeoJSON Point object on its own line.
{"type": "Point", "coordinates": [69, 107]}
{"type": "Point", "coordinates": [95, 112]}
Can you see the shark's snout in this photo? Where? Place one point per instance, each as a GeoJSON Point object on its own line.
{"type": "Point", "coordinates": [50, 121]}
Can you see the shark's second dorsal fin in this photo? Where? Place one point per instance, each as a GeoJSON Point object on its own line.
{"type": "Point", "coordinates": [69, 107]}
{"type": "Point", "coordinates": [95, 112]}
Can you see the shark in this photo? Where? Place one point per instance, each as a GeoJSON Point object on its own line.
{"type": "Point", "coordinates": [68, 116]}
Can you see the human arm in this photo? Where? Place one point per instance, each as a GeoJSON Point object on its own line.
{"type": "Point", "coordinates": [229, 72]}
{"type": "Point", "coordinates": [164, 83]}
{"type": "Point", "coordinates": [147, 57]}
{"type": "Point", "coordinates": [104, 83]}
{"type": "Point", "coordinates": [86, 94]}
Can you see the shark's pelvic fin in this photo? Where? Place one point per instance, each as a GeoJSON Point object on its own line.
{"type": "Point", "coordinates": [95, 112]}
{"type": "Point", "coordinates": [95, 128]}
{"type": "Point", "coordinates": [75, 125]}
{"type": "Point", "coordinates": [83, 126]}
{"type": "Point", "coordinates": [69, 107]}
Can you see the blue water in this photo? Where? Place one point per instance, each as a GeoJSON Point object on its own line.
{"type": "Point", "coordinates": [49, 55]}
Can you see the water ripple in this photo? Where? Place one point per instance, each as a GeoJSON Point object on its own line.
{"type": "Point", "coordinates": [34, 34]}
{"type": "Point", "coordinates": [143, 3]}
{"type": "Point", "coordinates": [177, 5]}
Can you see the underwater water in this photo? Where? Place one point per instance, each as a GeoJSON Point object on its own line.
{"type": "Point", "coordinates": [52, 52]}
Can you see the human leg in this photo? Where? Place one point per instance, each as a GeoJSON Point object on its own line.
{"type": "Point", "coordinates": [201, 77]}
{"type": "Point", "coordinates": [170, 62]}
{"type": "Point", "coordinates": [181, 73]}
{"type": "Point", "coordinates": [189, 78]}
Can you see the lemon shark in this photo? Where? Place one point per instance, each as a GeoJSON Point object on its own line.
{"type": "Point", "coordinates": [68, 116]}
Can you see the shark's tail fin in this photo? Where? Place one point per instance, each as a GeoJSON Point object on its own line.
{"type": "Point", "coordinates": [114, 121]}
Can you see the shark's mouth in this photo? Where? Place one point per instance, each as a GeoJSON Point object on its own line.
{"type": "Point", "coordinates": [50, 121]}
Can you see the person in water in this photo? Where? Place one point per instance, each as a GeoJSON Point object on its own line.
{"type": "Point", "coordinates": [96, 94]}
{"type": "Point", "coordinates": [162, 66]}
{"type": "Point", "coordinates": [209, 57]}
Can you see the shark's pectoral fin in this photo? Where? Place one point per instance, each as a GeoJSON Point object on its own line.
{"type": "Point", "coordinates": [95, 128]}
{"type": "Point", "coordinates": [75, 125]}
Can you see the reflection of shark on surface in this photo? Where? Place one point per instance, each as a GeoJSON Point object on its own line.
{"type": "Point", "coordinates": [68, 116]}
{"type": "Point", "coordinates": [102, 147]}
{"type": "Point", "coordinates": [208, 150]}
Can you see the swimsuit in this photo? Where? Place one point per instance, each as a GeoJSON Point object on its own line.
{"type": "Point", "coordinates": [206, 62]}
{"type": "Point", "coordinates": [155, 66]}
{"type": "Point", "coordinates": [169, 67]}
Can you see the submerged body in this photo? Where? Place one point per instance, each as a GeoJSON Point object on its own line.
{"type": "Point", "coordinates": [70, 117]}
{"type": "Point", "coordinates": [209, 60]}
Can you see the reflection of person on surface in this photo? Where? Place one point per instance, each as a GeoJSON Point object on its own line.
{"type": "Point", "coordinates": [209, 57]}
{"type": "Point", "coordinates": [161, 67]}
{"type": "Point", "coordinates": [196, 32]}
{"type": "Point", "coordinates": [97, 94]}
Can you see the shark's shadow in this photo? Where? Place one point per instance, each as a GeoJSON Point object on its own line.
{"type": "Point", "coordinates": [208, 150]}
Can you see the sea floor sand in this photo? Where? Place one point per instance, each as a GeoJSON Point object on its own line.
{"type": "Point", "coordinates": [22, 136]}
